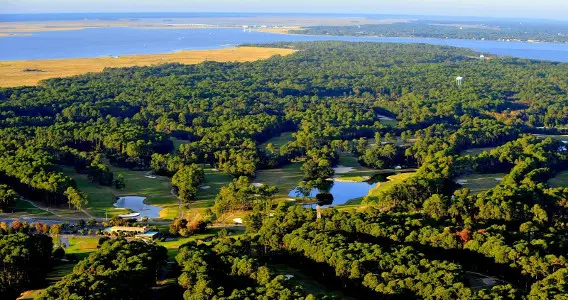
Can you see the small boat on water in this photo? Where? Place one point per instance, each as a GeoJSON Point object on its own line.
{"type": "Point", "coordinates": [129, 216]}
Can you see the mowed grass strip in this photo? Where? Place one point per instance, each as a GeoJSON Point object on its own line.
{"type": "Point", "coordinates": [31, 72]}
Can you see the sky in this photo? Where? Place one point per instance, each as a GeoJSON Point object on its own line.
{"type": "Point", "coordinates": [543, 9]}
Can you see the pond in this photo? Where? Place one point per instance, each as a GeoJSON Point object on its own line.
{"type": "Point", "coordinates": [343, 191]}
{"type": "Point", "coordinates": [136, 204]}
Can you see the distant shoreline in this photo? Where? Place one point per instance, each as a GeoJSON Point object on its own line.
{"type": "Point", "coordinates": [259, 23]}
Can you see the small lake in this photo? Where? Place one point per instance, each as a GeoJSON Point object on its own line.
{"type": "Point", "coordinates": [341, 191]}
{"type": "Point", "coordinates": [136, 204]}
{"type": "Point", "coordinates": [97, 42]}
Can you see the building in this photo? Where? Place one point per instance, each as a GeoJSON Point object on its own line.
{"type": "Point", "coordinates": [127, 229]}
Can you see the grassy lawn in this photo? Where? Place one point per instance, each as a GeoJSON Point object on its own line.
{"type": "Point", "coordinates": [279, 141]}
{"type": "Point", "coordinates": [478, 183]}
{"type": "Point", "coordinates": [560, 180]}
{"type": "Point", "coordinates": [393, 179]}
{"type": "Point", "coordinates": [101, 198]}
{"type": "Point", "coordinates": [80, 246]}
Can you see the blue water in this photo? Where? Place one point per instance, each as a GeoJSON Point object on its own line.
{"type": "Point", "coordinates": [341, 191]}
{"type": "Point", "coordinates": [98, 42]}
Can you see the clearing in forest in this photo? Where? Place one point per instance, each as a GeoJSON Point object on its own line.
{"type": "Point", "coordinates": [560, 180]}
{"type": "Point", "coordinates": [478, 183]}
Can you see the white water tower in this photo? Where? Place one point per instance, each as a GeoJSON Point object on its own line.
{"type": "Point", "coordinates": [459, 80]}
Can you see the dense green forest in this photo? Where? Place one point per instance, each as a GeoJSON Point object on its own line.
{"type": "Point", "coordinates": [552, 32]}
{"type": "Point", "coordinates": [425, 237]}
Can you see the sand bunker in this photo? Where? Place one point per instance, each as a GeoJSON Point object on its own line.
{"type": "Point", "coordinates": [342, 169]}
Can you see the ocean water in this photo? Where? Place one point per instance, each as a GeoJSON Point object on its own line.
{"type": "Point", "coordinates": [97, 42]}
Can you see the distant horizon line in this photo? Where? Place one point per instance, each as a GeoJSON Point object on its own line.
{"type": "Point", "coordinates": [292, 13]}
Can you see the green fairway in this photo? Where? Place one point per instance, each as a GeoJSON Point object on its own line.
{"type": "Point", "coordinates": [478, 183]}
{"type": "Point", "coordinates": [350, 161]}
{"type": "Point", "coordinates": [177, 143]}
{"type": "Point", "coordinates": [101, 198]}
{"type": "Point", "coordinates": [279, 141]}
{"type": "Point", "coordinates": [381, 186]}
{"type": "Point", "coordinates": [286, 178]}
{"type": "Point", "coordinates": [387, 121]}
{"type": "Point", "coordinates": [174, 244]}
{"type": "Point", "coordinates": [560, 180]}
{"type": "Point", "coordinates": [561, 137]}
{"type": "Point", "coordinates": [27, 208]}
{"type": "Point", "coordinates": [52, 277]}
{"type": "Point", "coordinates": [81, 246]}
{"type": "Point", "coordinates": [306, 281]}
{"type": "Point", "coordinates": [351, 204]}
{"type": "Point", "coordinates": [476, 151]}
{"type": "Point", "coordinates": [214, 181]}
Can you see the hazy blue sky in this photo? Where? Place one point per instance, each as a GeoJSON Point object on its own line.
{"type": "Point", "coordinates": [555, 9]}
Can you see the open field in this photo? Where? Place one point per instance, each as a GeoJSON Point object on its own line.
{"type": "Point", "coordinates": [478, 183]}
{"type": "Point", "coordinates": [101, 198]}
{"type": "Point", "coordinates": [31, 72]}
{"type": "Point", "coordinates": [560, 180]}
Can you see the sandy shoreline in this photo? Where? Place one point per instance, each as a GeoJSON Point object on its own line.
{"type": "Point", "coordinates": [261, 23]}
{"type": "Point", "coordinates": [31, 72]}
